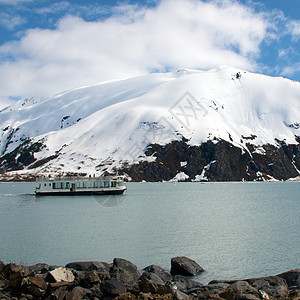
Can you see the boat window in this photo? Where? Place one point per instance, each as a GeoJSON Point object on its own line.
{"type": "Point", "coordinates": [67, 185]}
{"type": "Point", "coordinates": [90, 184]}
{"type": "Point", "coordinates": [113, 184]}
{"type": "Point", "coordinates": [106, 184]}
{"type": "Point", "coordinates": [80, 184]}
{"type": "Point", "coordinates": [45, 184]}
{"type": "Point", "coordinates": [57, 185]}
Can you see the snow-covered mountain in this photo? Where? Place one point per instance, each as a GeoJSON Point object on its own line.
{"type": "Point", "coordinates": [178, 125]}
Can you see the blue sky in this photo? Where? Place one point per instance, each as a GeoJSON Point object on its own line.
{"type": "Point", "coordinates": [50, 46]}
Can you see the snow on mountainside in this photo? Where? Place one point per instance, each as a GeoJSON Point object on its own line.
{"type": "Point", "coordinates": [114, 125]}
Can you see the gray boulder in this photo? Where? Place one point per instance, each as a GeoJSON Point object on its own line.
{"type": "Point", "coordinates": [291, 277]}
{"type": "Point", "coordinates": [59, 293]}
{"type": "Point", "coordinates": [211, 291]}
{"type": "Point", "coordinates": [39, 269]}
{"type": "Point", "coordinates": [101, 267]}
{"type": "Point", "coordinates": [240, 289]}
{"type": "Point", "coordinates": [113, 287]}
{"type": "Point", "coordinates": [124, 271]}
{"type": "Point", "coordinates": [182, 265]}
{"type": "Point", "coordinates": [78, 293]}
{"type": "Point", "coordinates": [274, 286]}
{"type": "Point", "coordinates": [152, 283]}
{"type": "Point", "coordinates": [185, 284]}
{"type": "Point", "coordinates": [159, 271]}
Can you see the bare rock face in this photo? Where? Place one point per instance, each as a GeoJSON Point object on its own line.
{"type": "Point", "coordinates": [218, 161]}
{"type": "Point", "coordinates": [182, 265]}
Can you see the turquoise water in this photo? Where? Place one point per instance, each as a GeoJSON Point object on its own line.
{"type": "Point", "coordinates": [233, 230]}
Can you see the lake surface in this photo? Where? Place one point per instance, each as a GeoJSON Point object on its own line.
{"type": "Point", "coordinates": [233, 230]}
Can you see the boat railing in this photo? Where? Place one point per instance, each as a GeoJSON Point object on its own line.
{"type": "Point", "coordinates": [73, 178]}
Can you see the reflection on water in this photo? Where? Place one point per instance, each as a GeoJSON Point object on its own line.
{"type": "Point", "coordinates": [109, 200]}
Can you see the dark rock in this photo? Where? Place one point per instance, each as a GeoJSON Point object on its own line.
{"type": "Point", "coordinates": [78, 293]}
{"type": "Point", "coordinates": [211, 291]}
{"type": "Point", "coordinates": [12, 268]}
{"type": "Point", "coordinates": [4, 296]}
{"type": "Point", "coordinates": [101, 267]}
{"type": "Point", "coordinates": [178, 295]}
{"type": "Point", "coordinates": [38, 282]}
{"type": "Point", "coordinates": [15, 274]}
{"type": "Point", "coordinates": [182, 265]}
{"type": "Point", "coordinates": [90, 278]}
{"type": "Point", "coordinates": [2, 266]}
{"type": "Point", "coordinates": [152, 283]}
{"type": "Point", "coordinates": [97, 291]}
{"type": "Point", "coordinates": [38, 269]}
{"type": "Point", "coordinates": [35, 287]}
{"type": "Point", "coordinates": [238, 288]}
{"type": "Point", "coordinates": [159, 271]}
{"type": "Point", "coordinates": [291, 277]}
{"type": "Point", "coordinates": [124, 271]}
{"type": "Point", "coordinates": [113, 287]}
{"type": "Point", "coordinates": [59, 293]}
{"type": "Point", "coordinates": [56, 285]}
{"type": "Point", "coordinates": [247, 297]}
{"type": "Point", "coordinates": [294, 293]}
{"type": "Point", "coordinates": [274, 286]}
{"type": "Point", "coordinates": [185, 284]}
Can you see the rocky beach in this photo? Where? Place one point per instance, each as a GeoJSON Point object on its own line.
{"type": "Point", "coordinates": [121, 279]}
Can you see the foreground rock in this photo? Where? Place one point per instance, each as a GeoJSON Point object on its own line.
{"type": "Point", "coordinates": [121, 280]}
{"type": "Point", "coordinates": [182, 265]}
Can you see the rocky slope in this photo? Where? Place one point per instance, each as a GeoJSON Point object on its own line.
{"type": "Point", "coordinates": [220, 125]}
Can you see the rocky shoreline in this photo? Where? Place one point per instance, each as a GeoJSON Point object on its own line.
{"type": "Point", "coordinates": [122, 280]}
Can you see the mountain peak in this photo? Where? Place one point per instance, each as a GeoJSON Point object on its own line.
{"type": "Point", "coordinates": [109, 125]}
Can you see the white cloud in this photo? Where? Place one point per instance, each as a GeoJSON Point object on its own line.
{"type": "Point", "coordinates": [294, 27]}
{"type": "Point", "coordinates": [54, 8]}
{"type": "Point", "coordinates": [10, 21]}
{"type": "Point", "coordinates": [13, 2]}
{"type": "Point", "coordinates": [133, 41]}
{"type": "Point", "coordinates": [291, 70]}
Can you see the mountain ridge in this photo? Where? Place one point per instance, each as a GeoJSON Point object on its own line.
{"type": "Point", "coordinates": [111, 126]}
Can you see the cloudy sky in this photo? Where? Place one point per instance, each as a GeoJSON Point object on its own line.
{"type": "Point", "coordinates": [49, 46]}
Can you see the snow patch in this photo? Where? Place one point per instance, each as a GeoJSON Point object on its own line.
{"type": "Point", "coordinates": [181, 176]}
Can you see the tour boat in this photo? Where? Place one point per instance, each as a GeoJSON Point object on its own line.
{"type": "Point", "coordinates": [106, 185]}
